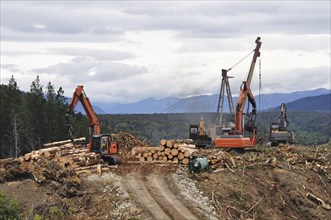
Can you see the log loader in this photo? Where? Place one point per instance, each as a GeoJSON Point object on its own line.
{"type": "Point", "coordinates": [98, 142]}
{"type": "Point", "coordinates": [235, 138]}
{"type": "Point", "coordinates": [199, 136]}
{"type": "Point", "coordinates": [279, 134]}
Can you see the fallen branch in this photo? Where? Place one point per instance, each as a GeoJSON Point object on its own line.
{"type": "Point", "coordinates": [218, 170]}
{"type": "Point", "coordinates": [253, 206]}
{"type": "Point", "coordinates": [214, 201]}
{"type": "Point", "coordinates": [227, 166]}
{"type": "Point", "coordinates": [318, 201]}
{"type": "Point", "coordinates": [321, 179]}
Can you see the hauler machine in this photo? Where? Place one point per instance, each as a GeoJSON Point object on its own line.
{"type": "Point", "coordinates": [98, 142]}
{"type": "Point", "coordinates": [235, 138]}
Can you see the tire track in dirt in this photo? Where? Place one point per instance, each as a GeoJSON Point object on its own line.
{"type": "Point", "coordinates": [137, 186]}
{"type": "Point", "coordinates": [153, 192]}
{"type": "Point", "coordinates": [175, 208]}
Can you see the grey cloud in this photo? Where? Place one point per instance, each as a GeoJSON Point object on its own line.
{"type": "Point", "coordinates": [12, 35]}
{"type": "Point", "coordinates": [190, 20]}
{"type": "Point", "coordinates": [269, 43]}
{"type": "Point", "coordinates": [87, 69]}
{"type": "Point", "coordinates": [94, 53]}
{"type": "Point", "coordinates": [10, 67]}
{"type": "Point", "coordinates": [298, 79]}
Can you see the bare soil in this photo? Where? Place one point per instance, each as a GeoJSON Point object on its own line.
{"type": "Point", "coordinates": [269, 184]}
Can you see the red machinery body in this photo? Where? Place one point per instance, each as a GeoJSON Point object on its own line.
{"type": "Point", "coordinates": [99, 143]}
{"type": "Point", "coordinates": [235, 138]}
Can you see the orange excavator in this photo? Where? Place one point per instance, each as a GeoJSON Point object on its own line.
{"type": "Point", "coordinates": [98, 143]}
{"type": "Point", "coordinates": [235, 138]}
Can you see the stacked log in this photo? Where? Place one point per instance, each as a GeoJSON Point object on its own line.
{"type": "Point", "coordinates": [171, 151]}
{"type": "Point", "coordinates": [68, 156]}
{"type": "Point", "coordinates": [71, 156]}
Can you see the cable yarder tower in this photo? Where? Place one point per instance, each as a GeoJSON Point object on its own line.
{"type": "Point", "coordinates": [225, 86]}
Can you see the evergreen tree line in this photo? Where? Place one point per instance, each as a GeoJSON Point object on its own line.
{"type": "Point", "coordinates": [310, 128]}
{"type": "Point", "coordinates": [30, 119]}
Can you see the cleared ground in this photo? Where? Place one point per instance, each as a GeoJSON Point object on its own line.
{"type": "Point", "coordinates": [269, 184]}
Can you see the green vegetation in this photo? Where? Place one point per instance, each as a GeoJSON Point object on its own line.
{"type": "Point", "coordinates": [310, 128]}
{"type": "Point", "coordinates": [56, 212]}
{"type": "Point", "coordinates": [240, 194]}
{"type": "Point", "coordinates": [30, 119]}
{"type": "Point", "coordinates": [37, 217]}
{"type": "Point", "coordinates": [9, 208]}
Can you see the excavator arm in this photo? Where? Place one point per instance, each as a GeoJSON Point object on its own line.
{"type": "Point", "coordinates": [283, 122]}
{"type": "Point", "coordinates": [79, 95]}
{"type": "Point", "coordinates": [245, 92]}
{"type": "Point", "coordinates": [235, 138]}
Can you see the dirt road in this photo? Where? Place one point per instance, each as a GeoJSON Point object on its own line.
{"type": "Point", "coordinates": [155, 194]}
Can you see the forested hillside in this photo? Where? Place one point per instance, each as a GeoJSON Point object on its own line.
{"type": "Point", "coordinates": [310, 128]}
{"type": "Point", "coordinates": [312, 103]}
{"type": "Point", "coordinates": [30, 119]}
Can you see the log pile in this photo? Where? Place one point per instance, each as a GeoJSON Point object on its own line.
{"type": "Point", "coordinates": [170, 151]}
{"type": "Point", "coordinates": [71, 156]}
{"type": "Point", "coordinates": [68, 156]}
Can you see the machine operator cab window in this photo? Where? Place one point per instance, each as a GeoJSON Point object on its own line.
{"type": "Point", "coordinates": [274, 126]}
{"type": "Point", "coordinates": [194, 130]}
{"type": "Point", "coordinates": [104, 144]}
{"type": "Point", "coordinates": [226, 131]}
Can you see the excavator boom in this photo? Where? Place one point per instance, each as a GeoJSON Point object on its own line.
{"type": "Point", "coordinates": [235, 139]}
{"type": "Point", "coordinates": [98, 143]}
{"type": "Point", "coordinates": [79, 95]}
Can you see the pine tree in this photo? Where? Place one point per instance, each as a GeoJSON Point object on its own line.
{"type": "Point", "coordinates": [50, 113]}
{"type": "Point", "coordinates": [35, 103]}
{"type": "Point", "coordinates": [61, 107]}
{"type": "Point", "coordinates": [14, 102]}
{"type": "Point", "coordinates": [9, 103]}
{"type": "Point", "coordinates": [5, 123]}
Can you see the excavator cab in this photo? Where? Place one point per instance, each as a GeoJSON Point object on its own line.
{"type": "Point", "coordinates": [278, 133]}
{"type": "Point", "coordinates": [198, 135]}
{"type": "Point", "coordinates": [102, 144]}
{"type": "Point", "coordinates": [106, 147]}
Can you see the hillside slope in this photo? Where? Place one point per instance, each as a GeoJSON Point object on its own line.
{"type": "Point", "coordinates": [312, 103]}
{"type": "Point", "coordinates": [201, 103]}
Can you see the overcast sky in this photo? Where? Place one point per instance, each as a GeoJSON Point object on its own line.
{"type": "Point", "coordinates": [128, 51]}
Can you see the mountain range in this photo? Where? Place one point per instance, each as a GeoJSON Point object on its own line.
{"type": "Point", "coordinates": [313, 100]}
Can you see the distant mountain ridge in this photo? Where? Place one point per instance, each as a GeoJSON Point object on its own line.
{"type": "Point", "coordinates": [208, 103]}
{"type": "Point", "coordinates": [312, 103]}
